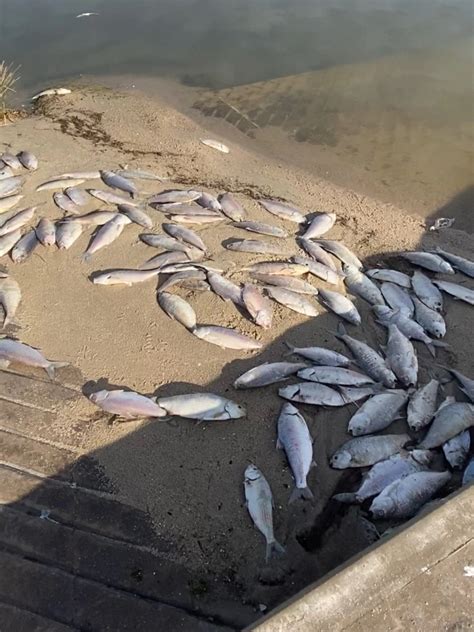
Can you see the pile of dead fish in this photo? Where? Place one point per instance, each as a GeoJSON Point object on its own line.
{"type": "Point", "coordinates": [410, 307]}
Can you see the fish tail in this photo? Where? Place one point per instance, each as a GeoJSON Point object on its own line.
{"type": "Point", "coordinates": [347, 498]}
{"type": "Point", "coordinates": [301, 492]}
{"type": "Point", "coordinates": [52, 366]}
{"type": "Point", "coordinates": [291, 349]}
{"type": "Point", "coordinates": [441, 345]}
{"type": "Point", "coordinates": [10, 320]}
{"type": "Point", "coordinates": [431, 349]}
{"type": "Point", "coordinates": [274, 549]}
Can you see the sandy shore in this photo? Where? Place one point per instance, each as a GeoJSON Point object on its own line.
{"type": "Point", "coordinates": [189, 476]}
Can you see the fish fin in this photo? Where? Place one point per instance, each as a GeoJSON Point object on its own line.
{"type": "Point", "coordinates": [10, 321]}
{"type": "Point", "coordinates": [279, 445]}
{"type": "Point", "coordinates": [301, 492]}
{"type": "Point", "coordinates": [346, 498]}
{"type": "Point", "coordinates": [273, 549]}
{"type": "Point", "coordinates": [313, 464]}
{"type": "Point", "coordinates": [441, 345]}
{"type": "Point", "coordinates": [431, 349]}
{"type": "Point", "coordinates": [291, 349]}
{"type": "Point", "coordinates": [341, 330]}
{"type": "Point", "coordinates": [52, 366]}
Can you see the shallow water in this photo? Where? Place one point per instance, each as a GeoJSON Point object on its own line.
{"type": "Point", "coordinates": [375, 95]}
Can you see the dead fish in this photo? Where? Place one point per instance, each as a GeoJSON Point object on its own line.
{"type": "Point", "coordinates": [292, 300]}
{"type": "Point", "coordinates": [202, 406]}
{"type": "Point", "coordinates": [377, 413]}
{"type": "Point", "coordinates": [405, 496]}
{"type": "Point", "coordinates": [295, 439]}
{"type": "Point", "coordinates": [422, 405]}
{"type": "Point", "coordinates": [226, 338]}
{"type": "Point", "coordinates": [24, 247]}
{"type": "Point", "coordinates": [184, 209]}
{"type": "Point", "coordinates": [318, 270]}
{"type": "Point", "coordinates": [65, 203]}
{"type": "Point", "coordinates": [78, 175]}
{"type": "Point", "coordinates": [15, 351]}
{"type": "Point", "coordinates": [165, 242]}
{"type": "Point", "coordinates": [267, 373]}
{"type": "Point", "coordinates": [6, 172]}
{"type": "Point", "coordinates": [224, 288]}
{"type": "Point", "coordinates": [194, 265]}
{"type": "Point", "coordinates": [10, 160]}
{"type": "Point", "coordinates": [281, 268]}
{"type": "Point", "coordinates": [282, 210]}
{"type": "Point", "coordinates": [164, 259]}
{"type": "Point", "coordinates": [181, 277]}
{"type": "Point", "coordinates": [18, 220]}
{"type": "Point", "coordinates": [94, 218]}
{"type": "Point", "coordinates": [209, 201]}
{"type": "Point", "coordinates": [320, 225]}
{"type": "Point", "coordinates": [317, 253]}
{"type": "Point", "coordinates": [127, 404]}
{"type": "Point", "coordinates": [185, 234]}
{"type": "Point", "coordinates": [178, 309]}
{"type": "Point", "coordinates": [319, 355]}
{"type": "Point", "coordinates": [78, 196]}
{"type": "Point", "coordinates": [456, 450]}
{"type": "Point", "coordinates": [261, 228]}
{"type": "Point", "coordinates": [106, 235]}
{"type": "Point", "coordinates": [368, 359]}
{"type": "Point", "coordinates": [124, 277]}
{"type": "Point", "coordinates": [431, 321]}
{"type": "Point", "coordinates": [401, 357]}
{"type": "Point", "coordinates": [322, 395]}
{"type": "Point", "coordinates": [231, 208]}
{"type": "Point", "coordinates": [67, 233]}
{"type": "Point", "coordinates": [8, 241]}
{"type": "Point", "coordinates": [397, 298]}
{"type": "Point", "coordinates": [466, 384]}
{"type": "Point", "coordinates": [58, 92]}
{"type": "Point", "coordinates": [259, 503]}
{"type": "Point", "coordinates": [139, 174]}
{"type": "Point", "coordinates": [10, 298]}
{"type": "Point", "coordinates": [136, 215]}
{"type": "Point", "coordinates": [46, 232]}
{"type": "Point", "coordinates": [28, 160]}
{"type": "Point", "coordinates": [10, 186]}
{"type": "Point", "coordinates": [340, 305]}
{"type": "Point", "coordinates": [426, 291]}
{"type": "Point", "coordinates": [114, 181]}
{"type": "Point", "coordinates": [9, 202]}
{"type": "Point", "coordinates": [195, 285]}
{"type": "Point", "coordinates": [359, 284]}
{"type": "Point", "coordinates": [429, 261]}
{"type": "Point", "coordinates": [456, 291]}
{"type": "Point", "coordinates": [386, 472]}
{"type": "Point", "coordinates": [215, 144]}
{"type": "Point", "coordinates": [449, 421]}
{"type": "Point", "coordinates": [111, 198]}
{"type": "Point", "coordinates": [391, 276]}
{"type": "Point", "coordinates": [367, 450]}
{"type": "Point", "coordinates": [286, 282]}
{"type": "Point", "coordinates": [197, 219]}
{"type": "Point", "coordinates": [334, 375]}
{"type": "Point", "coordinates": [339, 250]}
{"type": "Point", "coordinates": [254, 246]}
{"type": "Point", "coordinates": [175, 197]}
{"type": "Point", "coordinates": [59, 184]}
{"type": "Point", "coordinates": [459, 263]}
{"type": "Point", "coordinates": [257, 305]}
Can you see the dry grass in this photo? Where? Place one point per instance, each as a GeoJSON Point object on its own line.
{"type": "Point", "coordinates": [8, 77]}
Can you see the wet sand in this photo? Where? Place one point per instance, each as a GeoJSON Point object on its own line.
{"type": "Point", "coordinates": [189, 476]}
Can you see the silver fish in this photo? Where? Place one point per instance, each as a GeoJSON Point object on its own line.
{"type": "Point", "coordinates": [334, 375]}
{"type": "Point", "coordinates": [254, 245]}
{"type": "Point", "coordinates": [163, 259]}
{"type": "Point", "coordinates": [139, 174]}
{"type": "Point", "coordinates": [136, 215]}
{"type": "Point", "coordinates": [8, 241]}
{"type": "Point", "coordinates": [78, 196]}
{"type": "Point", "coordinates": [114, 181]}
{"type": "Point", "coordinates": [257, 305]}
{"type": "Point", "coordinates": [320, 225]}
{"type": "Point", "coordinates": [295, 439]}
{"type": "Point", "coordinates": [78, 175]}
{"type": "Point", "coordinates": [127, 404]}
{"type": "Point", "coordinates": [28, 160]}
{"type": "Point", "coordinates": [317, 253]}
{"type": "Point", "coordinates": [59, 184]}
{"type": "Point", "coordinates": [319, 355]}
{"type": "Point", "coordinates": [175, 197]}
{"type": "Point", "coordinates": [339, 250]}
{"type": "Point", "coordinates": [318, 270]}
{"type": "Point", "coordinates": [202, 406]}
{"type": "Point", "coordinates": [392, 276]}
{"type": "Point", "coordinates": [281, 268]}
{"type": "Point", "coordinates": [215, 144]}
{"type": "Point", "coordinates": [429, 261]}
{"type": "Point", "coordinates": [367, 450]}
{"type": "Point", "coordinates": [9, 202]}
{"type": "Point", "coordinates": [231, 208]}
{"type": "Point", "coordinates": [94, 218]}
{"type": "Point", "coordinates": [184, 209]}
{"type": "Point", "coordinates": [197, 219]}
{"type": "Point", "coordinates": [397, 298]}
{"type": "Point", "coordinates": [283, 211]}
{"type": "Point", "coordinates": [422, 405]}
{"type": "Point", "coordinates": [226, 338]}
{"type": "Point", "coordinates": [457, 291]}
{"type": "Point", "coordinates": [51, 92]}
{"type": "Point", "coordinates": [106, 235]}
{"type": "Point", "coordinates": [268, 373]}
{"type": "Point", "coordinates": [340, 305]}
{"type": "Point", "coordinates": [322, 395]}
{"type": "Point", "coordinates": [224, 288]}
{"type": "Point", "coordinates": [165, 242]}
{"type": "Point", "coordinates": [401, 357]}
{"type": "Point", "coordinates": [377, 413]}
{"type": "Point", "coordinates": [431, 321]}
{"type": "Point", "coordinates": [286, 282]}
{"type": "Point", "coordinates": [10, 297]}
{"type": "Point", "coordinates": [18, 220]}
{"type": "Point", "coordinates": [456, 450]}
{"type": "Point", "coordinates": [360, 285]}
{"type": "Point", "coordinates": [15, 351]}
{"type": "Point", "coordinates": [24, 247]}
{"type": "Point", "coordinates": [187, 235]}
{"type": "Point", "coordinates": [459, 263]}
{"type": "Point", "coordinates": [183, 277]}
{"type": "Point", "coordinates": [6, 172]}
{"type": "Point", "coordinates": [64, 202]}
{"type": "Point", "coordinates": [109, 197]}
{"type": "Point", "coordinates": [292, 300]}
{"type": "Point", "coordinates": [426, 291]}
{"type": "Point", "coordinates": [449, 421]}
{"type": "Point", "coordinates": [261, 228]}
{"type": "Point", "coordinates": [410, 328]}
{"type": "Point", "coordinates": [466, 384]}
{"type": "Point", "coordinates": [178, 309]}
{"type": "Point", "coordinates": [10, 160]}
{"type": "Point", "coordinates": [67, 233]}
{"type": "Point", "coordinates": [124, 277]}
{"type": "Point", "coordinates": [259, 503]}
{"type": "Point", "coordinates": [10, 186]}
{"type": "Point", "coordinates": [209, 201]}
{"type": "Point", "coordinates": [46, 232]}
